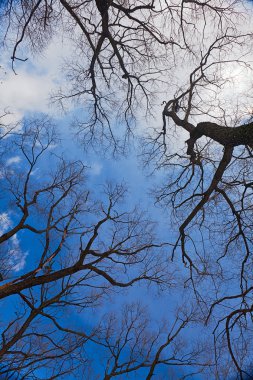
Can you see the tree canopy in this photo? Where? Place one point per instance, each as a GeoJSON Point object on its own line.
{"type": "Point", "coordinates": [175, 78]}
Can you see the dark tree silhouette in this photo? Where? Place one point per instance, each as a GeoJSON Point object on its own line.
{"type": "Point", "coordinates": [124, 52]}
{"type": "Point", "coordinates": [129, 56]}
{"type": "Point", "coordinates": [81, 250]}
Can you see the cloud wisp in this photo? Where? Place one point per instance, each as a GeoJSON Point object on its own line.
{"type": "Point", "coordinates": [12, 258]}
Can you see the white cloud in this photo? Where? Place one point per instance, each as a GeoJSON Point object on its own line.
{"type": "Point", "coordinates": [26, 92]}
{"type": "Point", "coordinates": [10, 119]}
{"type": "Point", "coordinates": [15, 259]}
{"type": "Point", "coordinates": [13, 160]}
{"type": "Point", "coordinates": [5, 222]}
{"type": "Point", "coordinates": [36, 80]}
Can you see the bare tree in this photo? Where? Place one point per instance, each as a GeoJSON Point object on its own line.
{"type": "Point", "coordinates": [209, 188]}
{"type": "Point", "coordinates": [80, 250]}
{"type": "Point", "coordinates": [129, 57]}
{"type": "Point", "coordinates": [125, 53]}
{"type": "Point", "coordinates": [135, 345]}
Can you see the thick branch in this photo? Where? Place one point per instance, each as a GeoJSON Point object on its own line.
{"type": "Point", "coordinates": [242, 135]}
{"type": "Point", "coordinates": [169, 111]}
{"type": "Point", "coordinates": [227, 155]}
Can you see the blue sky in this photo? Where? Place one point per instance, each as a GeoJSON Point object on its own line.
{"type": "Point", "coordinates": [27, 95]}
{"type": "Point", "coordinates": [100, 169]}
